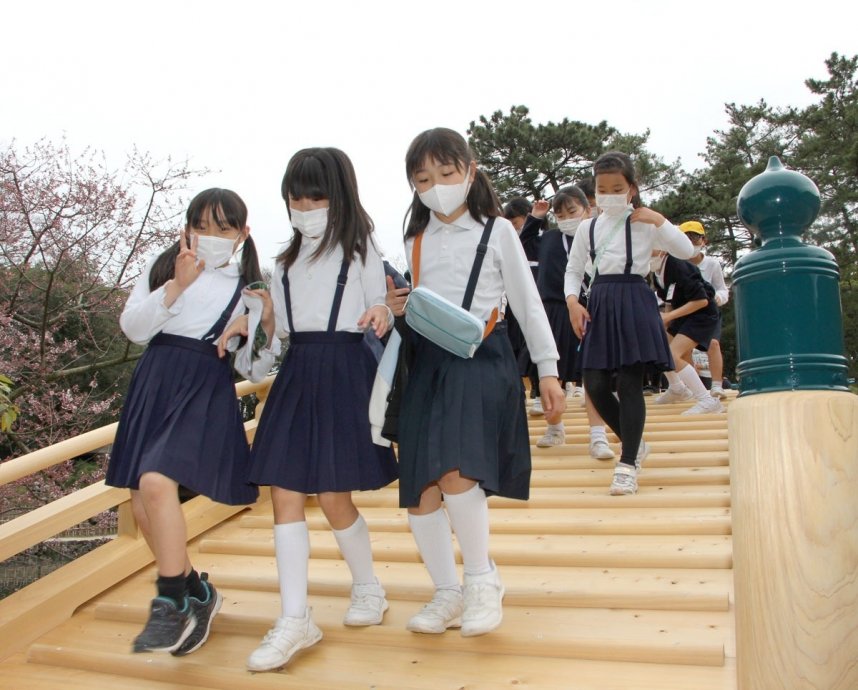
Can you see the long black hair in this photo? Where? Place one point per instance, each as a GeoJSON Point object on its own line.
{"type": "Point", "coordinates": [228, 211]}
{"type": "Point", "coordinates": [447, 147]}
{"type": "Point", "coordinates": [618, 162]}
{"type": "Point", "coordinates": [327, 173]}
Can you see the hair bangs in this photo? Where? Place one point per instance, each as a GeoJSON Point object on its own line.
{"type": "Point", "coordinates": [227, 209]}
{"type": "Point", "coordinates": [306, 177]}
{"type": "Point", "coordinates": [443, 145]}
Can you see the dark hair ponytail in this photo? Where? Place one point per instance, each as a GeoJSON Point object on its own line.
{"type": "Point", "coordinates": [447, 147]}
{"type": "Point", "coordinates": [228, 211]}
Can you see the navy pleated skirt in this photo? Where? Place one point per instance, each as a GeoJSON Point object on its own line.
{"type": "Point", "coordinates": [465, 414]}
{"type": "Point", "coordinates": [699, 327]}
{"type": "Point", "coordinates": [314, 434]}
{"type": "Point", "coordinates": [181, 419]}
{"type": "Point", "coordinates": [625, 326]}
{"type": "Point", "coordinates": [566, 340]}
{"type": "Point", "coordinates": [519, 345]}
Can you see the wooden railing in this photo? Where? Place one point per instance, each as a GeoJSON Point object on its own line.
{"type": "Point", "coordinates": [27, 613]}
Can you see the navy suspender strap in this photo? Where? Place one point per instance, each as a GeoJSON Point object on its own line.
{"type": "Point", "coordinates": [215, 331]}
{"type": "Point", "coordinates": [567, 243]}
{"type": "Point", "coordinates": [285, 281]}
{"type": "Point", "coordinates": [338, 296]}
{"type": "Point", "coordinates": [482, 248]}
{"type": "Point", "coordinates": [629, 257]}
{"type": "Point", "coordinates": [593, 246]}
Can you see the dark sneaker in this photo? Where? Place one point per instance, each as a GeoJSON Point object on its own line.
{"type": "Point", "coordinates": [204, 612]}
{"type": "Point", "coordinates": [167, 627]}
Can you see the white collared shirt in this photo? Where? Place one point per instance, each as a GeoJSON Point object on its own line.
{"type": "Point", "coordinates": [645, 238]}
{"type": "Point", "coordinates": [312, 285]}
{"type": "Point", "coordinates": [446, 258]}
{"type": "Point", "coordinates": [193, 313]}
{"type": "Point", "coordinates": [710, 269]}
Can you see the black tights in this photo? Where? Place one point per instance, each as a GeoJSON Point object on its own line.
{"type": "Point", "coordinates": [626, 416]}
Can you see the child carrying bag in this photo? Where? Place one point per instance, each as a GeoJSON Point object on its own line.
{"type": "Point", "coordinates": [449, 326]}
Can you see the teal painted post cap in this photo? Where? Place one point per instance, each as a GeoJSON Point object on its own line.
{"type": "Point", "coordinates": [789, 328]}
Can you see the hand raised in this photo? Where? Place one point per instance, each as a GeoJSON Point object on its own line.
{"type": "Point", "coordinates": [187, 268]}
{"type": "Point", "coordinates": [540, 208]}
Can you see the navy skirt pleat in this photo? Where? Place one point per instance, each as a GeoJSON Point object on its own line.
{"type": "Point", "coordinates": [625, 327]}
{"type": "Point", "coordinates": [519, 345]}
{"type": "Point", "coordinates": [466, 415]}
{"type": "Point", "coordinates": [181, 419]}
{"type": "Point", "coordinates": [314, 434]}
{"type": "Point", "coordinates": [566, 340]}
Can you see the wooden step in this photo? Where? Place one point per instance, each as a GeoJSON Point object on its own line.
{"type": "Point", "coordinates": [631, 551]}
{"type": "Point", "coordinates": [601, 634]}
{"type": "Point", "coordinates": [579, 458]}
{"type": "Point", "coordinates": [220, 664]}
{"type": "Point", "coordinates": [556, 586]}
{"type": "Point", "coordinates": [554, 521]}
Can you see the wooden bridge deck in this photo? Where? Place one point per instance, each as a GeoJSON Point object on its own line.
{"type": "Point", "coordinates": [602, 592]}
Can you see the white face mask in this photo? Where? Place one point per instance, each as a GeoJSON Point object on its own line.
{"type": "Point", "coordinates": [446, 198]}
{"type": "Point", "coordinates": [697, 251]}
{"type": "Point", "coordinates": [215, 251]}
{"type": "Point", "coordinates": [310, 224]}
{"type": "Point", "coordinates": [568, 226]}
{"type": "Point", "coordinates": [612, 204]}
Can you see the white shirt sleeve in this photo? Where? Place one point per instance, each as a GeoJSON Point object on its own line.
{"type": "Point", "coordinates": [722, 292]}
{"type": "Point", "coordinates": [145, 313]}
{"type": "Point", "coordinates": [278, 298]}
{"type": "Point", "coordinates": [671, 239]}
{"type": "Point", "coordinates": [577, 263]}
{"type": "Point", "coordinates": [373, 280]}
{"type": "Point", "coordinates": [526, 303]}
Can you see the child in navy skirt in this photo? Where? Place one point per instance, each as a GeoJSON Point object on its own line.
{"type": "Point", "coordinates": [570, 208]}
{"type": "Point", "coordinates": [314, 434]}
{"type": "Point", "coordinates": [691, 320]}
{"type": "Point", "coordinates": [180, 423]}
{"type": "Point", "coordinates": [621, 328]}
{"type": "Point", "coordinates": [462, 424]}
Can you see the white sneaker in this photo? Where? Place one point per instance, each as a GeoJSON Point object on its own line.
{"type": "Point", "coordinates": [716, 391]}
{"type": "Point", "coordinates": [625, 480]}
{"type": "Point", "coordinates": [578, 391]}
{"type": "Point", "coordinates": [536, 408]}
{"type": "Point", "coordinates": [706, 405]}
{"type": "Point", "coordinates": [674, 395]}
{"type": "Point", "coordinates": [283, 641]}
{"type": "Point", "coordinates": [444, 611]}
{"type": "Point", "coordinates": [553, 437]}
{"type": "Point", "coordinates": [643, 451]}
{"type": "Point", "coordinates": [368, 605]}
{"type": "Point", "coordinates": [483, 597]}
{"type": "Point", "coordinates": [600, 450]}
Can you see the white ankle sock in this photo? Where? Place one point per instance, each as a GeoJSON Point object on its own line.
{"type": "Point", "coordinates": [434, 540]}
{"type": "Point", "coordinates": [356, 549]}
{"type": "Point", "coordinates": [689, 376]}
{"type": "Point", "coordinates": [598, 433]}
{"type": "Point", "coordinates": [469, 516]}
{"type": "Point", "coordinates": [292, 551]}
{"type": "Point", "coordinates": [556, 427]}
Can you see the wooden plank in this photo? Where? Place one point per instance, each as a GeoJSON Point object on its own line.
{"type": "Point", "coordinates": [51, 519]}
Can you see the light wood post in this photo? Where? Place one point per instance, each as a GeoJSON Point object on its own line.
{"type": "Point", "coordinates": [794, 478]}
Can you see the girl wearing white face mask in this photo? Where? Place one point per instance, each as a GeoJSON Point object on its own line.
{"type": "Point", "coordinates": [180, 424]}
{"type": "Point", "coordinates": [314, 435]}
{"type": "Point", "coordinates": [462, 425]}
{"type": "Point", "coordinates": [621, 328]}
{"type": "Point", "coordinates": [570, 208]}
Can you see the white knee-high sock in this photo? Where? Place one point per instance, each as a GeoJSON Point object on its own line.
{"type": "Point", "coordinates": [689, 376]}
{"type": "Point", "coordinates": [469, 516]}
{"type": "Point", "coordinates": [673, 379]}
{"type": "Point", "coordinates": [356, 549]}
{"type": "Point", "coordinates": [434, 540]}
{"type": "Point", "coordinates": [292, 551]}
